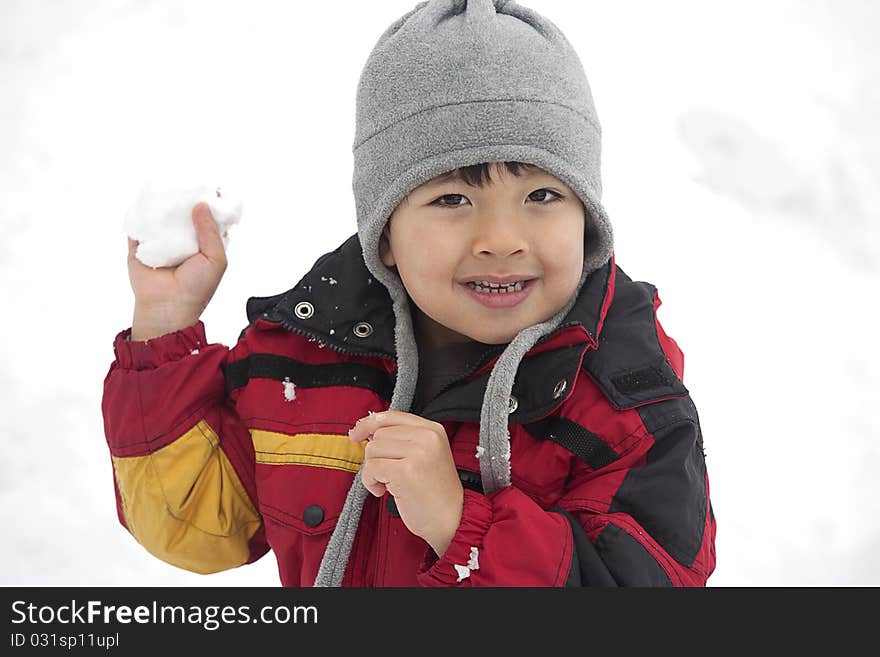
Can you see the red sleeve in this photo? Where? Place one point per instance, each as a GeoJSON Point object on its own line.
{"type": "Point", "coordinates": [159, 394]}
{"type": "Point", "coordinates": [517, 544]}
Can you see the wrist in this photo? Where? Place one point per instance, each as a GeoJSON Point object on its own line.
{"type": "Point", "coordinates": [476, 518]}
{"type": "Point", "coordinates": [148, 324]}
{"type": "Point", "coordinates": [440, 539]}
{"type": "Point", "coordinates": [142, 332]}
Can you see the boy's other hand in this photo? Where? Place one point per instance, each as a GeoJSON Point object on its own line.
{"type": "Point", "coordinates": [410, 457]}
{"type": "Point", "coordinates": [171, 298]}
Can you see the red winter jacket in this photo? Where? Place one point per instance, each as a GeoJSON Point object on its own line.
{"type": "Point", "coordinates": [221, 454]}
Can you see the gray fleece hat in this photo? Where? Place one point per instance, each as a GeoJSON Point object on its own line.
{"type": "Point", "coordinates": [450, 84]}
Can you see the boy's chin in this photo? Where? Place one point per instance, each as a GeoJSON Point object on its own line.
{"type": "Point", "coordinates": [493, 338]}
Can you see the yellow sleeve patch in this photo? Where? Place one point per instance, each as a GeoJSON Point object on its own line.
{"type": "Point", "coordinates": [186, 505]}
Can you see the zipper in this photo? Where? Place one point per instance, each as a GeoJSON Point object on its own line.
{"type": "Point", "coordinates": [334, 345]}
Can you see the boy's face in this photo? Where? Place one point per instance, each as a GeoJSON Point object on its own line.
{"type": "Point", "coordinates": [530, 226]}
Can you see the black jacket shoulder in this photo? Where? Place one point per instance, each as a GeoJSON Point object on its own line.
{"type": "Point", "coordinates": [629, 364]}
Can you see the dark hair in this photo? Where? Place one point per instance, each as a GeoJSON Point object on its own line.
{"type": "Point", "coordinates": [477, 175]}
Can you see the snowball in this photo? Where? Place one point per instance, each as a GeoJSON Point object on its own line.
{"type": "Point", "coordinates": [160, 219]}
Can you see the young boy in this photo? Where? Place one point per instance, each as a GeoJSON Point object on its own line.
{"type": "Point", "coordinates": [467, 392]}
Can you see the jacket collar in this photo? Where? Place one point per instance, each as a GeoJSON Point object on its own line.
{"type": "Point", "coordinates": [340, 303]}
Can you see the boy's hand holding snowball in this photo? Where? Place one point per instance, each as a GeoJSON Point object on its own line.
{"type": "Point", "coordinates": [176, 255]}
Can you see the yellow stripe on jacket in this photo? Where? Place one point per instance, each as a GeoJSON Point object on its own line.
{"type": "Point", "coordinates": [322, 450]}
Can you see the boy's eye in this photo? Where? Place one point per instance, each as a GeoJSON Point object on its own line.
{"type": "Point", "coordinates": [544, 196]}
{"type": "Point", "coordinates": [454, 200]}
{"type": "Point", "coordinates": [553, 196]}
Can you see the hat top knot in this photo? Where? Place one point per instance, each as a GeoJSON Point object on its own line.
{"type": "Point", "coordinates": [458, 6]}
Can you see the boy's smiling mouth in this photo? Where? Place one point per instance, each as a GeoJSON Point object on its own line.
{"type": "Point", "coordinates": [506, 294]}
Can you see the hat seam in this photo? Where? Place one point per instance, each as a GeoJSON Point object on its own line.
{"type": "Point", "coordinates": [587, 119]}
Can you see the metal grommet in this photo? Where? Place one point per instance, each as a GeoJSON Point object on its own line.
{"type": "Point", "coordinates": [512, 403]}
{"type": "Point", "coordinates": [304, 310]}
{"type": "Point", "coordinates": [363, 329]}
{"type": "Point", "coordinates": [559, 389]}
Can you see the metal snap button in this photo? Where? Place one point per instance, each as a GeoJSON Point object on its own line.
{"type": "Point", "coordinates": [313, 515]}
{"type": "Point", "coordinates": [304, 310]}
{"type": "Point", "coordinates": [559, 389]}
{"type": "Point", "coordinates": [512, 403]}
{"type": "Point", "coordinates": [363, 329]}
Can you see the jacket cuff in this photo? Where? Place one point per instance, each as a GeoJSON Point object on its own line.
{"type": "Point", "coordinates": [149, 354]}
{"type": "Point", "coordinates": [476, 517]}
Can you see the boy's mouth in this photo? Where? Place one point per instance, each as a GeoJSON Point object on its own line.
{"type": "Point", "coordinates": [499, 295]}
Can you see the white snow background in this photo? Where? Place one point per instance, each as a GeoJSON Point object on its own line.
{"type": "Point", "coordinates": [740, 169]}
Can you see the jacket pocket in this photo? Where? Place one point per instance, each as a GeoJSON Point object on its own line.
{"type": "Point", "coordinates": [305, 499]}
{"type": "Point", "coordinates": [300, 505]}
{"type": "Point", "coordinates": [303, 479]}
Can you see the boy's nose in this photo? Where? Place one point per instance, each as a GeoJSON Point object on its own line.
{"type": "Point", "coordinates": [498, 234]}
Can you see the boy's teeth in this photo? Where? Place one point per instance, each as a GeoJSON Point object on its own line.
{"type": "Point", "coordinates": [494, 288]}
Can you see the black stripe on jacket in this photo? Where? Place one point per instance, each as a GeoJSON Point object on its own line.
{"type": "Point", "coordinates": [304, 375]}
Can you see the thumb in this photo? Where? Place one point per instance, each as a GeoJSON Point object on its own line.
{"type": "Point", "coordinates": [210, 243]}
{"type": "Point", "coordinates": [132, 248]}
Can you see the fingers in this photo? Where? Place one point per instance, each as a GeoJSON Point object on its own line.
{"type": "Point", "coordinates": [374, 476]}
{"type": "Point", "coordinates": [396, 436]}
{"type": "Point", "coordinates": [367, 426]}
{"type": "Point", "coordinates": [210, 242]}
{"type": "Point", "coordinates": [390, 443]}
